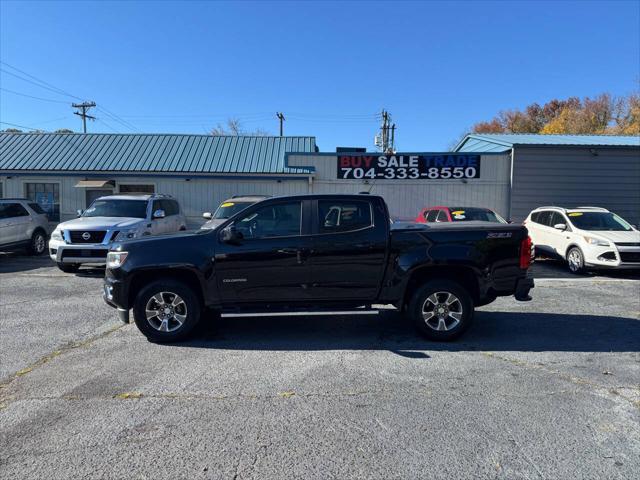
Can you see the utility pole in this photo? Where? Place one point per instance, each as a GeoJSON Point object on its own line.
{"type": "Point", "coordinates": [280, 116]}
{"type": "Point", "coordinates": [84, 106]}
{"type": "Point", "coordinates": [386, 139]}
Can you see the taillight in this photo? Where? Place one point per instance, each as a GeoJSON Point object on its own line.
{"type": "Point", "coordinates": [525, 253]}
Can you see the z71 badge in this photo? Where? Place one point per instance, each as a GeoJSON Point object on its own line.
{"type": "Point", "coordinates": [499, 235]}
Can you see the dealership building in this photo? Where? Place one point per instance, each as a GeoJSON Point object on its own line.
{"type": "Point", "coordinates": [511, 174]}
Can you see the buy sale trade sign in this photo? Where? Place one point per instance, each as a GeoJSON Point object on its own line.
{"type": "Point", "coordinates": [444, 166]}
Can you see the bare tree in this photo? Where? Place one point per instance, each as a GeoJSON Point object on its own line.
{"type": "Point", "coordinates": [234, 128]}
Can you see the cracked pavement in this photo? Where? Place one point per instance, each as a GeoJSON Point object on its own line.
{"type": "Point", "coordinates": [545, 389]}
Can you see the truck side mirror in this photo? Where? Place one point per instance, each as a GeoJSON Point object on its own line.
{"type": "Point", "coordinates": [560, 226]}
{"type": "Point", "coordinates": [79, 212]}
{"type": "Point", "coordinates": [230, 235]}
{"type": "Point", "coordinates": [158, 214]}
{"type": "Point", "coordinates": [207, 215]}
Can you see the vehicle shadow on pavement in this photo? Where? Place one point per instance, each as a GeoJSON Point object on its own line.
{"type": "Point", "coordinates": [551, 268]}
{"type": "Point", "coordinates": [14, 262]}
{"type": "Point", "coordinates": [491, 331]}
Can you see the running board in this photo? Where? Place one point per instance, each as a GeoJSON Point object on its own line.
{"type": "Point", "coordinates": [301, 313]}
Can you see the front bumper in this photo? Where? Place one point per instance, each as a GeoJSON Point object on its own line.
{"type": "Point", "coordinates": [63, 252]}
{"type": "Point", "coordinates": [618, 257]}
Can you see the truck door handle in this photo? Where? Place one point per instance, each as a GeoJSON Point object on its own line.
{"type": "Point", "coordinates": [300, 253]}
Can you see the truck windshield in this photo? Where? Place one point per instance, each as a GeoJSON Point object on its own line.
{"type": "Point", "coordinates": [462, 214]}
{"type": "Point", "coordinates": [229, 209]}
{"type": "Point", "coordinates": [117, 208]}
{"type": "Point", "coordinates": [599, 221]}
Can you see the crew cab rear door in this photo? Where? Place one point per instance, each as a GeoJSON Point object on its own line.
{"type": "Point", "coordinates": [349, 248]}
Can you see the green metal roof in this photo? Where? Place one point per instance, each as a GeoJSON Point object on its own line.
{"type": "Point", "coordinates": [502, 142]}
{"type": "Point", "coordinates": [101, 152]}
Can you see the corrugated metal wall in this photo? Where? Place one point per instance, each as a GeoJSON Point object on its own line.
{"type": "Point", "coordinates": [570, 177]}
{"type": "Point", "coordinates": [196, 195]}
{"type": "Point", "coordinates": [407, 197]}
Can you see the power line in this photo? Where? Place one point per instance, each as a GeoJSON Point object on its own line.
{"type": "Point", "coordinates": [19, 126]}
{"type": "Point", "coordinates": [59, 91]}
{"type": "Point", "coordinates": [32, 96]}
{"type": "Point", "coordinates": [107, 125]}
{"type": "Point", "coordinates": [116, 118]}
{"type": "Point", "coordinates": [46, 85]}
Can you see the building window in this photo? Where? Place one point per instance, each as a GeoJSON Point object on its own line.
{"type": "Point", "coordinates": [136, 188]}
{"type": "Point", "coordinates": [47, 195]}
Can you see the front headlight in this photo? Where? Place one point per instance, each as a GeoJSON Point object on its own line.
{"type": "Point", "coordinates": [116, 259]}
{"type": "Point", "coordinates": [56, 235]}
{"type": "Point", "coordinates": [596, 241]}
{"type": "Point", "coordinates": [126, 235]}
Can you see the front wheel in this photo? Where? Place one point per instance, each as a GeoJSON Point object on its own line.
{"type": "Point", "coordinates": [166, 311]}
{"type": "Point", "coordinates": [441, 310]}
{"type": "Point", "coordinates": [575, 261]}
{"type": "Point", "coordinates": [69, 267]}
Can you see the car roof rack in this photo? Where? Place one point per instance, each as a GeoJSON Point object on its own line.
{"type": "Point", "coordinates": [15, 199]}
{"type": "Point", "coordinates": [251, 195]}
{"type": "Point", "coordinates": [552, 206]}
{"type": "Point", "coordinates": [599, 209]}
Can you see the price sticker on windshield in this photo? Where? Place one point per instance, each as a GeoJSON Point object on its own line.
{"type": "Point", "coordinates": [408, 167]}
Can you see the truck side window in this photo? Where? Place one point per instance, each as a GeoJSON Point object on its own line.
{"type": "Point", "coordinates": [280, 220]}
{"type": "Point", "coordinates": [431, 216]}
{"type": "Point", "coordinates": [343, 216]}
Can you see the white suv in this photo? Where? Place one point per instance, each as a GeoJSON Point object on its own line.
{"type": "Point", "coordinates": [586, 237]}
{"type": "Point", "coordinates": [114, 218]}
{"type": "Point", "coordinates": [23, 224]}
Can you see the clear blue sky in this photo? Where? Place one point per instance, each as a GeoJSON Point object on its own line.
{"type": "Point", "coordinates": [437, 67]}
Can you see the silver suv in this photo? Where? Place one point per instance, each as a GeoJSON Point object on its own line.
{"type": "Point", "coordinates": [114, 218]}
{"type": "Point", "coordinates": [23, 224]}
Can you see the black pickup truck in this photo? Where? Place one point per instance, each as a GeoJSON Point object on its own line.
{"type": "Point", "coordinates": [318, 254]}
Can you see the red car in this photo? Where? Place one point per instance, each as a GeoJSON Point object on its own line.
{"type": "Point", "coordinates": [458, 214]}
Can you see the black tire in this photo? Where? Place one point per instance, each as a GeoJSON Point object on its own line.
{"type": "Point", "coordinates": [38, 243]}
{"type": "Point", "coordinates": [575, 261]}
{"type": "Point", "coordinates": [69, 267]}
{"type": "Point", "coordinates": [150, 328]}
{"type": "Point", "coordinates": [462, 307]}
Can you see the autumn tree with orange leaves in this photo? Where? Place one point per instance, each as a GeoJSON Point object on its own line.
{"type": "Point", "coordinates": [604, 114]}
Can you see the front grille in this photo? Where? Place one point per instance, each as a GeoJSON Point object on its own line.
{"type": "Point", "coordinates": [82, 253]}
{"type": "Point", "coordinates": [630, 256]}
{"type": "Point", "coordinates": [94, 236]}
{"type": "Point", "coordinates": [628, 244]}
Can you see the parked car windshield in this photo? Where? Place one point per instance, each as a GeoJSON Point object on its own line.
{"type": "Point", "coordinates": [229, 209]}
{"type": "Point", "coordinates": [599, 221]}
{"type": "Point", "coordinates": [462, 214]}
{"type": "Point", "coordinates": [117, 208]}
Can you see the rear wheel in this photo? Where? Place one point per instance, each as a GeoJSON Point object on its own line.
{"type": "Point", "coordinates": [441, 310]}
{"type": "Point", "coordinates": [38, 243]}
{"type": "Point", "coordinates": [166, 311]}
{"type": "Point", "coordinates": [69, 267]}
{"type": "Point", "coordinates": [575, 261]}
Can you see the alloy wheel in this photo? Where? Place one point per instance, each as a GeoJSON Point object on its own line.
{"type": "Point", "coordinates": [166, 311]}
{"type": "Point", "coordinates": [442, 311]}
{"type": "Point", "coordinates": [574, 260]}
{"type": "Point", "coordinates": [39, 243]}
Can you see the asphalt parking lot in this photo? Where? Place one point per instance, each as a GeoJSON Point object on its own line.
{"type": "Point", "coordinates": [545, 389]}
